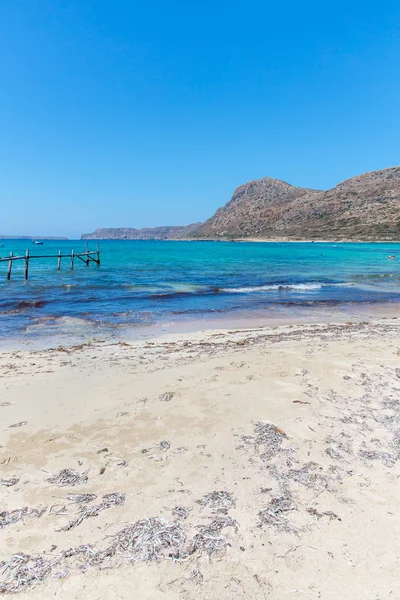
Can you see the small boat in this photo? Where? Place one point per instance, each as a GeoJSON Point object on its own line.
{"type": "Point", "coordinates": [37, 243]}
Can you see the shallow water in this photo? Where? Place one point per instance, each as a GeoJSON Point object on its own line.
{"type": "Point", "coordinates": [149, 283]}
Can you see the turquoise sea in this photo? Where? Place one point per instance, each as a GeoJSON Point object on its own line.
{"type": "Point", "coordinates": [141, 283]}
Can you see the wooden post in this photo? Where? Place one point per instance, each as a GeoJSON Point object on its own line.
{"type": "Point", "coordinates": [72, 260]}
{"type": "Point", "coordinates": [59, 260]}
{"type": "Point", "coordinates": [87, 258]}
{"type": "Point", "coordinates": [10, 262]}
{"type": "Point", "coordinates": [98, 254]}
{"type": "Point", "coordinates": [26, 263]}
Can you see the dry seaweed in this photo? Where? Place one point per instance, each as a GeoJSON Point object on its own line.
{"type": "Point", "coordinates": [166, 396]}
{"type": "Point", "coordinates": [9, 482]}
{"type": "Point", "coordinates": [272, 515]}
{"type": "Point", "coordinates": [82, 498]}
{"type": "Point", "coordinates": [326, 513]}
{"type": "Point", "coordinates": [22, 571]}
{"type": "Point", "coordinates": [20, 424]}
{"type": "Point", "coordinates": [388, 459]}
{"type": "Point", "coordinates": [165, 445]}
{"type": "Point", "coordinates": [94, 510]}
{"type": "Point", "coordinates": [18, 514]}
{"type": "Point", "coordinates": [148, 539]}
{"type": "Point", "coordinates": [209, 539]}
{"type": "Point", "coordinates": [269, 437]}
{"type": "Point", "coordinates": [219, 501]}
{"type": "Point", "coordinates": [68, 477]}
{"type": "Point", "coordinates": [181, 512]}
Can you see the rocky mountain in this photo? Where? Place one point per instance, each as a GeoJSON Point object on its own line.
{"type": "Point", "coordinates": [366, 207]}
{"type": "Point", "coordinates": [168, 232]}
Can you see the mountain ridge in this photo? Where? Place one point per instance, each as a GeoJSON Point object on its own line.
{"type": "Point", "coordinates": [365, 207]}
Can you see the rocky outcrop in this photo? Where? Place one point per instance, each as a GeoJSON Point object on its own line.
{"type": "Point", "coordinates": [366, 207]}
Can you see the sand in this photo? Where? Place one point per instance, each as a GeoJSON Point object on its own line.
{"type": "Point", "coordinates": [296, 427]}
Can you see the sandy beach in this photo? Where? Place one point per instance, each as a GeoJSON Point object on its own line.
{"type": "Point", "coordinates": [250, 463]}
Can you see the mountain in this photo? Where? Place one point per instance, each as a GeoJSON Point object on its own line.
{"type": "Point", "coordinates": [168, 232]}
{"type": "Point", "coordinates": [366, 207]}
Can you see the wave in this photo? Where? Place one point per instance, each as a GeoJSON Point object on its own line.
{"type": "Point", "coordinates": [283, 286]}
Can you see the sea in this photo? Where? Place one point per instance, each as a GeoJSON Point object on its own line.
{"type": "Point", "coordinates": [146, 286]}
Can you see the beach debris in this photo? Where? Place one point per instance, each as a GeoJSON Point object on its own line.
{"type": "Point", "coordinates": [81, 498]}
{"type": "Point", "coordinates": [22, 571]}
{"type": "Point", "coordinates": [386, 457]}
{"type": "Point", "coordinates": [9, 482]}
{"type": "Point", "coordinates": [18, 514]}
{"type": "Point", "coordinates": [218, 501]}
{"type": "Point", "coordinates": [166, 396]}
{"type": "Point", "coordinates": [272, 515]}
{"type": "Point", "coordinates": [148, 539]}
{"type": "Point", "coordinates": [209, 539]}
{"type": "Point", "coordinates": [20, 424]}
{"type": "Point", "coordinates": [115, 499]}
{"type": "Point", "coordinates": [102, 450]}
{"type": "Point", "coordinates": [61, 574]}
{"type": "Point", "coordinates": [68, 477]}
{"type": "Point", "coordinates": [326, 513]}
{"type": "Point", "coordinates": [307, 475]}
{"type": "Point", "coordinates": [270, 437]}
{"type": "Point", "coordinates": [332, 453]}
{"type": "Point", "coordinates": [300, 402]}
{"type": "Point", "coordinates": [5, 403]}
{"type": "Point", "coordinates": [181, 512]}
{"type": "Point", "coordinates": [165, 445]}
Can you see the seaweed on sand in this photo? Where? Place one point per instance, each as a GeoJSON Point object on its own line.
{"type": "Point", "coordinates": [94, 510]}
{"type": "Point", "coordinates": [209, 539]}
{"type": "Point", "coordinates": [9, 482]}
{"type": "Point", "coordinates": [68, 477]}
{"type": "Point", "coordinates": [18, 514]}
{"type": "Point", "coordinates": [148, 539]}
{"type": "Point", "coordinates": [273, 514]}
{"type": "Point", "coordinates": [218, 501]}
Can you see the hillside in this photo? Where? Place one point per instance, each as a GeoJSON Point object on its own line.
{"type": "Point", "coordinates": [366, 207]}
{"type": "Point", "coordinates": [168, 232]}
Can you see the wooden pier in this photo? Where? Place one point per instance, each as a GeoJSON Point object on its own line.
{"type": "Point", "coordinates": [87, 257]}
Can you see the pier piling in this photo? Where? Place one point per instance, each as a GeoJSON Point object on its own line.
{"type": "Point", "coordinates": [85, 257]}
{"type": "Point", "coordinates": [10, 262]}
{"type": "Point", "coordinates": [26, 263]}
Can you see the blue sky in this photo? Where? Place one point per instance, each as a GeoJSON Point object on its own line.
{"type": "Point", "coordinates": [142, 114]}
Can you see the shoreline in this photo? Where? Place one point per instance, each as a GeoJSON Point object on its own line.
{"type": "Point", "coordinates": [254, 319]}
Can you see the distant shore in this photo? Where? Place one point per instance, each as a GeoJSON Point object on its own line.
{"type": "Point", "coordinates": [261, 240]}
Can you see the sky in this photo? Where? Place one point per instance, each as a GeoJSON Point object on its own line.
{"type": "Point", "coordinates": [138, 114]}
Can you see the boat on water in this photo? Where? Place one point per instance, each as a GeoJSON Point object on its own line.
{"type": "Point", "coordinates": [37, 243]}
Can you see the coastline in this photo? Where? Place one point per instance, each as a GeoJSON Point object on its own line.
{"type": "Point", "coordinates": [224, 322]}
{"type": "Point", "coordinates": [171, 422]}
